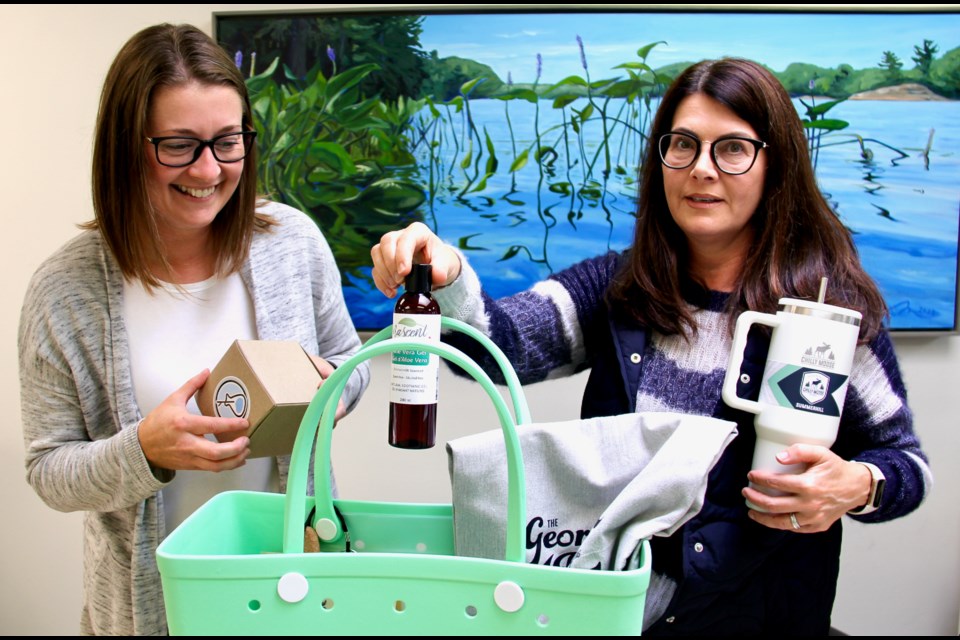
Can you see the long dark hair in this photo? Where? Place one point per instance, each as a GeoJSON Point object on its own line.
{"type": "Point", "coordinates": [162, 56]}
{"type": "Point", "coordinates": [798, 239]}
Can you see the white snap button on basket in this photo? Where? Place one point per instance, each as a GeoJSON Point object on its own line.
{"type": "Point", "coordinates": [293, 587]}
{"type": "Point", "coordinates": [326, 529]}
{"type": "Point", "coordinates": [508, 596]}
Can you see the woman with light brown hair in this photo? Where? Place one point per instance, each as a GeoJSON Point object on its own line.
{"type": "Point", "coordinates": [181, 260]}
{"type": "Point", "coordinates": [729, 218]}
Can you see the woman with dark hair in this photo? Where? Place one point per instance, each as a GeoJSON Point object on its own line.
{"type": "Point", "coordinates": [180, 260]}
{"type": "Point", "coordinates": [792, 241]}
{"type": "Point", "coordinates": [730, 219]}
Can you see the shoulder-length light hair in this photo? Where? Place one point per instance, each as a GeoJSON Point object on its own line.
{"type": "Point", "coordinates": [157, 57]}
{"type": "Point", "coordinates": [798, 238]}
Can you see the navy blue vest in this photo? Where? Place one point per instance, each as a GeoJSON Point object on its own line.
{"type": "Point", "coordinates": [734, 576]}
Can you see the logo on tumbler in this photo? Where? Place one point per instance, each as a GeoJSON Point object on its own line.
{"type": "Point", "coordinates": [820, 356]}
{"type": "Point", "coordinates": [814, 386]}
{"type": "Point", "coordinates": [231, 399]}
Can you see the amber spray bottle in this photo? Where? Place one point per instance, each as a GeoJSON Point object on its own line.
{"type": "Point", "coordinates": [414, 374]}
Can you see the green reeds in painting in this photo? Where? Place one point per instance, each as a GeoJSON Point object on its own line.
{"type": "Point", "coordinates": [327, 150]}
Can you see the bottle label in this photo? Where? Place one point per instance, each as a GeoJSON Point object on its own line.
{"type": "Point", "coordinates": [414, 373]}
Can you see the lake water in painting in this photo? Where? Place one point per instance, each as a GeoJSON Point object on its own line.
{"type": "Point", "coordinates": [901, 204]}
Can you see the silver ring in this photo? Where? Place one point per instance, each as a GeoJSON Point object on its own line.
{"type": "Point", "coordinates": [793, 521]}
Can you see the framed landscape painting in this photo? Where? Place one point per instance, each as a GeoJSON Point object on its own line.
{"type": "Point", "coordinates": [517, 136]}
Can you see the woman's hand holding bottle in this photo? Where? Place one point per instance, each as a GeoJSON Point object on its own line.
{"type": "Point", "coordinates": [397, 252]}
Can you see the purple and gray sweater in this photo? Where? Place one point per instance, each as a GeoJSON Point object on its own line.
{"type": "Point", "coordinates": [730, 571]}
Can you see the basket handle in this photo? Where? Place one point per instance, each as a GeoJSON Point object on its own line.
{"type": "Point", "coordinates": [320, 413]}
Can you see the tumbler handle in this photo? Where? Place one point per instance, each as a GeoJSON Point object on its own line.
{"type": "Point", "coordinates": [746, 320]}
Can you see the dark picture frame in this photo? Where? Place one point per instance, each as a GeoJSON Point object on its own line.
{"type": "Point", "coordinates": [517, 134]}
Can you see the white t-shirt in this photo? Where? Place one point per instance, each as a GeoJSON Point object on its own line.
{"type": "Point", "coordinates": [175, 335]}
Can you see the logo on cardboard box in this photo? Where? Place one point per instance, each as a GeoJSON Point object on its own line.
{"type": "Point", "coordinates": [231, 399]}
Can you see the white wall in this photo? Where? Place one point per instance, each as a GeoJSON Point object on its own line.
{"type": "Point", "coordinates": [901, 578]}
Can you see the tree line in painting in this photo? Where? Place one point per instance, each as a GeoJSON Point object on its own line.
{"type": "Point", "coordinates": [357, 123]}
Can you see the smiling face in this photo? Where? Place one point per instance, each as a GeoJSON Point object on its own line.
{"type": "Point", "coordinates": [713, 209]}
{"type": "Point", "coordinates": [188, 199]}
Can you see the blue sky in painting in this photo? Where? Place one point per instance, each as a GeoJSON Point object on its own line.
{"type": "Point", "coordinates": [510, 42]}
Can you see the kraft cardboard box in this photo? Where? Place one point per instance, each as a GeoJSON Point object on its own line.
{"type": "Point", "coordinates": [269, 382]}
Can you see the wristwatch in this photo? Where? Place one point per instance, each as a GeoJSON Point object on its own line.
{"type": "Point", "coordinates": [877, 482]}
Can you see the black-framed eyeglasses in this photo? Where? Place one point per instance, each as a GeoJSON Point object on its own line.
{"type": "Point", "coordinates": [181, 151]}
{"type": "Point", "coordinates": [733, 155]}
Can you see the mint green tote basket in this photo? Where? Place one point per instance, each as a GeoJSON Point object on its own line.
{"type": "Point", "coordinates": [237, 565]}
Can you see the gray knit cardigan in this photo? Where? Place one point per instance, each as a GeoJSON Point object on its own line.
{"type": "Point", "coordinates": [80, 417]}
